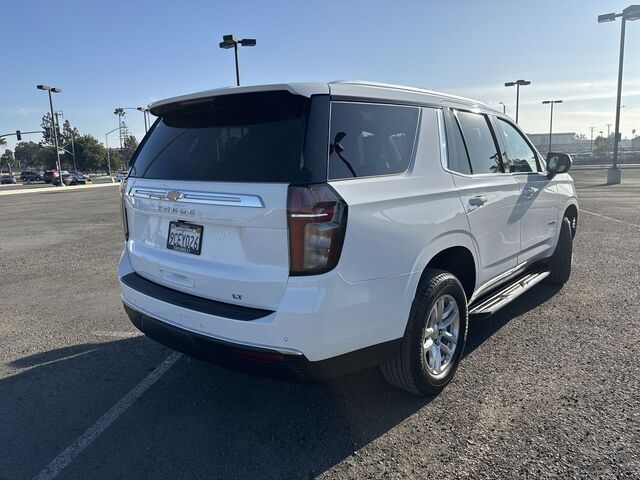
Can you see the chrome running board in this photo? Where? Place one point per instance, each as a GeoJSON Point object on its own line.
{"type": "Point", "coordinates": [504, 295]}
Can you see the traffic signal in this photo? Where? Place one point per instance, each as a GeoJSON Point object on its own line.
{"type": "Point", "coordinates": [18, 135]}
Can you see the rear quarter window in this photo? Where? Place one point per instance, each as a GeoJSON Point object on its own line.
{"type": "Point", "coordinates": [370, 139]}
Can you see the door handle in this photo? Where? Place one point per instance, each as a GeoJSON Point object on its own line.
{"type": "Point", "coordinates": [477, 201]}
{"type": "Point", "coordinates": [528, 192]}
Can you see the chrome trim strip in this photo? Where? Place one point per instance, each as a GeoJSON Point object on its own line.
{"type": "Point", "coordinates": [200, 198]}
{"type": "Point", "coordinates": [489, 283]}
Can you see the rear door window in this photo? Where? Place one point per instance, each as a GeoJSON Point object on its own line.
{"type": "Point", "coordinates": [457, 151]}
{"type": "Point", "coordinates": [370, 139]}
{"type": "Point", "coordinates": [254, 137]}
{"type": "Point", "coordinates": [481, 145]}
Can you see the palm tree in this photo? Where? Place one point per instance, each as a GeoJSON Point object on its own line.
{"type": "Point", "coordinates": [121, 113]}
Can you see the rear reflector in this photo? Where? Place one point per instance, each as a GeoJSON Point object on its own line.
{"type": "Point", "coordinates": [264, 356]}
{"type": "Point", "coordinates": [317, 218]}
{"type": "Point", "coordinates": [123, 209]}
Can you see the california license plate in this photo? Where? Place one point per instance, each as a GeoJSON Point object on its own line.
{"type": "Point", "coordinates": [185, 237]}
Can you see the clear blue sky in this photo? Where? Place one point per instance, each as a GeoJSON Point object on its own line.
{"type": "Point", "coordinates": [130, 53]}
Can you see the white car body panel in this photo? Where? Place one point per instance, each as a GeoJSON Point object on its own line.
{"type": "Point", "coordinates": [396, 225]}
{"type": "Point", "coordinates": [245, 246]}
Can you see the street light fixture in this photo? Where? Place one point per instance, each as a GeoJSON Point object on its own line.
{"type": "Point", "coordinates": [630, 14]}
{"type": "Point", "coordinates": [504, 107]}
{"type": "Point", "coordinates": [54, 127]}
{"type": "Point", "coordinates": [231, 41]}
{"type": "Point", "coordinates": [517, 84]}
{"type": "Point", "coordinates": [144, 110]}
{"type": "Point", "coordinates": [545, 102]}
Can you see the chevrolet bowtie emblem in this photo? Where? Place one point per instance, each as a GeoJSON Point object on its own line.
{"type": "Point", "coordinates": [174, 196]}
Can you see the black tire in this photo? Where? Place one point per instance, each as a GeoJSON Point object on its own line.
{"type": "Point", "coordinates": [408, 369]}
{"type": "Point", "coordinates": [560, 261]}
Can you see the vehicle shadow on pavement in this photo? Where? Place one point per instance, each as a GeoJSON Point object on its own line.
{"type": "Point", "coordinates": [483, 328]}
{"type": "Point", "coordinates": [198, 421]}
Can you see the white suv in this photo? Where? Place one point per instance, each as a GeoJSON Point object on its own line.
{"type": "Point", "coordinates": [310, 230]}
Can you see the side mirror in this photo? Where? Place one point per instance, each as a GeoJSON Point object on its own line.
{"type": "Point", "coordinates": [558, 163]}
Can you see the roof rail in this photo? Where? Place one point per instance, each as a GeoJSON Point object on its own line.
{"type": "Point", "coordinates": [405, 88]}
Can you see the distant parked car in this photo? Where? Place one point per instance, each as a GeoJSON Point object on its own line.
{"type": "Point", "coordinates": [7, 179]}
{"type": "Point", "coordinates": [66, 178]}
{"type": "Point", "coordinates": [49, 175]}
{"type": "Point", "coordinates": [28, 176]}
{"type": "Point", "coordinates": [122, 175]}
{"type": "Point", "coordinates": [77, 178]}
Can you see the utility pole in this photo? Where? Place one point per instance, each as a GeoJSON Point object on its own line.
{"type": "Point", "coordinates": [608, 130]}
{"type": "Point", "coordinates": [120, 112]}
{"type": "Point", "coordinates": [73, 151]}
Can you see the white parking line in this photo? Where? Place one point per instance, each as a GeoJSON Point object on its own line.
{"type": "Point", "coordinates": [83, 441]}
{"type": "Point", "coordinates": [609, 218]}
{"type": "Point", "coordinates": [55, 189]}
{"type": "Point", "coordinates": [101, 333]}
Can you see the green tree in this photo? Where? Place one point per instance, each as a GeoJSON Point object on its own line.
{"type": "Point", "coordinates": [129, 148]}
{"type": "Point", "coordinates": [30, 155]}
{"type": "Point", "coordinates": [90, 153]}
{"type": "Point", "coordinates": [67, 140]}
{"type": "Point", "coordinates": [68, 133]}
{"type": "Point", "coordinates": [8, 159]}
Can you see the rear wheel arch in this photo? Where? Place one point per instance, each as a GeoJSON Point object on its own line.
{"type": "Point", "coordinates": [459, 261]}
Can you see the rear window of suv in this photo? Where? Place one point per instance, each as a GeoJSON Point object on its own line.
{"type": "Point", "coordinates": [370, 139]}
{"type": "Point", "coordinates": [252, 137]}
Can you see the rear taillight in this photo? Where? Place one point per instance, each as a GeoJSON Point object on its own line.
{"type": "Point", "coordinates": [123, 210]}
{"type": "Point", "coordinates": [317, 218]}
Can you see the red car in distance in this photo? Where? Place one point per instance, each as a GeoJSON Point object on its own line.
{"type": "Point", "coordinates": [49, 175]}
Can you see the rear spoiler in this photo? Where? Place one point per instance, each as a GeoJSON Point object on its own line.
{"type": "Point", "coordinates": [304, 89]}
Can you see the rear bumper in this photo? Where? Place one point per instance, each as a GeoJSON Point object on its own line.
{"type": "Point", "coordinates": [259, 361]}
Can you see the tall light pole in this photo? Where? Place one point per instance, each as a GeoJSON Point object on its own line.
{"type": "Point", "coordinates": [545, 102]}
{"type": "Point", "coordinates": [54, 126]}
{"type": "Point", "coordinates": [517, 84]}
{"type": "Point", "coordinates": [630, 13]}
{"type": "Point", "coordinates": [106, 141]}
{"type": "Point", "coordinates": [231, 41]}
{"type": "Point", "coordinates": [145, 112]}
{"type": "Point", "coordinates": [608, 130]}
{"type": "Point", "coordinates": [592, 128]}
{"type": "Point", "coordinates": [504, 107]}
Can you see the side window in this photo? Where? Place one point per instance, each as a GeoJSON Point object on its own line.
{"type": "Point", "coordinates": [457, 152]}
{"type": "Point", "coordinates": [369, 139]}
{"type": "Point", "coordinates": [479, 141]}
{"type": "Point", "coordinates": [521, 157]}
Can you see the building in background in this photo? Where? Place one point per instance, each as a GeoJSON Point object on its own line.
{"type": "Point", "coordinates": [565, 142]}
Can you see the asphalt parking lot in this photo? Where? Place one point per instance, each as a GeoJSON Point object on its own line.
{"type": "Point", "coordinates": [549, 386]}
